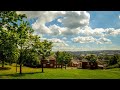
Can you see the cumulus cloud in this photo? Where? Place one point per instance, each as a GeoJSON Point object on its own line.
{"type": "Point", "coordinates": [75, 19]}
{"type": "Point", "coordinates": [71, 20]}
{"type": "Point", "coordinates": [55, 30]}
{"type": "Point", "coordinates": [103, 40]}
{"type": "Point", "coordinates": [100, 32]}
{"type": "Point", "coordinates": [90, 39]}
{"type": "Point", "coordinates": [64, 38]}
{"type": "Point", "coordinates": [75, 23]}
{"type": "Point", "coordinates": [87, 39]}
{"type": "Point", "coordinates": [112, 31]}
{"type": "Point", "coordinates": [58, 42]}
{"type": "Point", "coordinates": [59, 20]}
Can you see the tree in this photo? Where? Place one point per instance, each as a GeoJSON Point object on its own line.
{"type": "Point", "coordinates": [43, 48]}
{"type": "Point", "coordinates": [92, 61]}
{"type": "Point", "coordinates": [91, 58]}
{"type": "Point", "coordinates": [7, 35]}
{"type": "Point", "coordinates": [16, 31]}
{"type": "Point", "coordinates": [23, 35]}
{"type": "Point", "coordinates": [57, 57]}
{"type": "Point", "coordinates": [114, 59]}
{"type": "Point", "coordinates": [7, 27]}
{"type": "Point", "coordinates": [63, 58]}
{"type": "Point", "coordinates": [67, 58]}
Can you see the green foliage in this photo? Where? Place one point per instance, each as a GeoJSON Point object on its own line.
{"type": "Point", "coordinates": [17, 43]}
{"type": "Point", "coordinates": [9, 34]}
{"type": "Point", "coordinates": [91, 58]}
{"type": "Point", "coordinates": [114, 60]}
{"type": "Point", "coordinates": [113, 66]}
{"type": "Point", "coordinates": [46, 48]}
{"type": "Point", "coordinates": [63, 57]}
{"type": "Point", "coordinates": [31, 58]}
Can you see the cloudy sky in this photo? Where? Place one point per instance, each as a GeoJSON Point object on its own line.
{"type": "Point", "coordinates": [77, 30]}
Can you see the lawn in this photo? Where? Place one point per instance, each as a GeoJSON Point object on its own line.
{"type": "Point", "coordinates": [35, 73]}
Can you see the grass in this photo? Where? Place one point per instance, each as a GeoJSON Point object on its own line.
{"type": "Point", "coordinates": [35, 73]}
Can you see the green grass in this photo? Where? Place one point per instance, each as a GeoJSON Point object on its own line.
{"type": "Point", "coordinates": [35, 73]}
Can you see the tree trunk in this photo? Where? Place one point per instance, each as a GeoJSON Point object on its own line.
{"type": "Point", "coordinates": [3, 63]}
{"type": "Point", "coordinates": [16, 67]}
{"type": "Point", "coordinates": [42, 66]}
{"type": "Point", "coordinates": [61, 66]}
{"type": "Point", "coordinates": [20, 68]}
{"type": "Point", "coordinates": [21, 63]}
{"type": "Point", "coordinates": [56, 64]}
{"type": "Point", "coordinates": [10, 63]}
{"type": "Point", "coordinates": [65, 66]}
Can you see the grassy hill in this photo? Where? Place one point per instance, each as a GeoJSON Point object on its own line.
{"type": "Point", "coordinates": [35, 73]}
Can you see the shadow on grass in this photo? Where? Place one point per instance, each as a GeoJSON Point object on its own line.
{"type": "Point", "coordinates": [5, 68]}
{"type": "Point", "coordinates": [18, 75]}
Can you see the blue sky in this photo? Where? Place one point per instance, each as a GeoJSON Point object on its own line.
{"type": "Point", "coordinates": [77, 30]}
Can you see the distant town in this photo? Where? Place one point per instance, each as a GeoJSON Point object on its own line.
{"type": "Point", "coordinates": [97, 52]}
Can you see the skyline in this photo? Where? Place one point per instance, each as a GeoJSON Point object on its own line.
{"type": "Point", "coordinates": [77, 30]}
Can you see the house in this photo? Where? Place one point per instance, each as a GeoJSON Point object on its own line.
{"type": "Point", "coordinates": [85, 64]}
{"type": "Point", "coordinates": [74, 63]}
{"type": "Point", "coordinates": [50, 63]}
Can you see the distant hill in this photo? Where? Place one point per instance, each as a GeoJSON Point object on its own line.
{"type": "Point", "coordinates": [95, 52]}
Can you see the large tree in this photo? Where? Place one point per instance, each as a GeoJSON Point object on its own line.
{"type": "Point", "coordinates": [8, 39]}
{"type": "Point", "coordinates": [15, 26]}
{"type": "Point", "coordinates": [42, 48]}
{"type": "Point", "coordinates": [23, 35]}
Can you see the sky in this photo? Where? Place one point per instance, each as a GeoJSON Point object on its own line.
{"type": "Point", "coordinates": [77, 30]}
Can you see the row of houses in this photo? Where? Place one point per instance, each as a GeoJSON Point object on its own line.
{"type": "Point", "coordinates": [84, 64]}
{"type": "Point", "coordinates": [51, 63]}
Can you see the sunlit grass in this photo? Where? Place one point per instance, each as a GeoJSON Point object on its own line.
{"type": "Point", "coordinates": [35, 73]}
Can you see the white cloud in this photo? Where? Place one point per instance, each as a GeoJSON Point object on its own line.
{"type": "Point", "coordinates": [64, 38]}
{"type": "Point", "coordinates": [59, 20]}
{"type": "Point", "coordinates": [58, 42]}
{"type": "Point", "coordinates": [87, 39]}
{"type": "Point", "coordinates": [88, 31]}
{"type": "Point", "coordinates": [101, 32]}
{"type": "Point", "coordinates": [55, 30]}
{"type": "Point", "coordinates": [75, 19]}
{"type": "Point", "coordinates": [112, 31]}
{"type": "Point", "coordinates": [71, 21]}
{"type": "Point", "coordinates": [119, 16]}
{"type": "Point", "coordinates": [41, 29]}
{"type": "Point", "coordinates": [103, 40]}
{"type": "Point", "coordinates": [76, 23]}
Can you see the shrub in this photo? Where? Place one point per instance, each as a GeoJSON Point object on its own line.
{"type": "Point", "coordinates": [113, 66]}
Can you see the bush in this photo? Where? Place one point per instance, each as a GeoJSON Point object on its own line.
{"type": "Point", "coordinates": [113, 66]}
{"type": "Point", "coordinates": [114, 60]}
{"type": "Point", "coordinates": [119, 64]}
